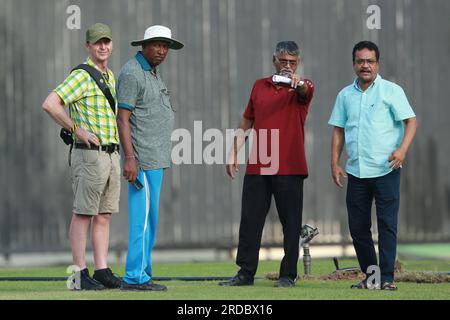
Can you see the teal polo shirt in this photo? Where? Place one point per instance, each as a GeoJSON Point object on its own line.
{"type": "Point", "coordinates": [142, 91]}
{"type": "Point", "coordinates": [373, 125]}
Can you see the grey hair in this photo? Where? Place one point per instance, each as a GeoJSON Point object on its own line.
{"type": "Point", "coordinates": [289, 47]}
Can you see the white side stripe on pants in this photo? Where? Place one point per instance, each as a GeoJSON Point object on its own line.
{"type": "Point", "coordinates": [147, 211]}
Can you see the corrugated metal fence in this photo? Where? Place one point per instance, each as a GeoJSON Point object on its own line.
{"type": "Point", "coordinates": [229, 44]}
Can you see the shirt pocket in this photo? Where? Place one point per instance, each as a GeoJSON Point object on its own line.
{"type": "Point", "coordinates": [92, 90]}
{"type": "Point", "coordinates": [165, 98]}
{"type": "Point", "coordinates": [379, 112]}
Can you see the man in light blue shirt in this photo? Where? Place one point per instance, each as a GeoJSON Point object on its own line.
{"type": "Point", "coordinates": [375, 120]}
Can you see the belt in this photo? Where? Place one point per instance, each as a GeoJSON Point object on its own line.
{"type": "Point", "coordinates": [110, 148]}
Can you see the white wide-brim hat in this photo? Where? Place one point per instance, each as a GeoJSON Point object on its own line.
{"type": "Point", "coordinates": [161, 33]}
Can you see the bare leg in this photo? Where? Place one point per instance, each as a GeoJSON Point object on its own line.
{"type": "Point", "coordinates": [100, 240]}
{"type": "Point", "coordinates": [78, 236]}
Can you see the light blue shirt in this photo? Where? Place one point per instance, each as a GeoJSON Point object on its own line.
{"type": "Point", "coordinates": [373, 125]}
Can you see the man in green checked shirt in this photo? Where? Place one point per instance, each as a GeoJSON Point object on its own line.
{"type": "Point", "coordinates": [95, 159]}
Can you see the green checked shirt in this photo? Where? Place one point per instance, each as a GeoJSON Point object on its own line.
{"type": "Point", "coordinates": [89, 108]}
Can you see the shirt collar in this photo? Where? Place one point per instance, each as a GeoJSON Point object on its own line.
{"type": "Point", "coordinates": [91, 63]}
{"type": "Point", "coordinates": [375, 82]}
{"type": "Point", "coordinates": [143, 61]}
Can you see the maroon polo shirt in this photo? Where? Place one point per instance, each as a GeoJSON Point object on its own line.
{"type": "Point", "coordinates": [272, 107]}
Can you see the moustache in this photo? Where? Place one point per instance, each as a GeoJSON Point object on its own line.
{"type": "Point", "coordinates": [286, 71]}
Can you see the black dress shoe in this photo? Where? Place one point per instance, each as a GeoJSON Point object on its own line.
{"type": "Point", "coordinates": [86, 282]}
{"type": "Point", "coordinates": [148, 286]}
{"type": "Point", "coordinates": [284, 282]}
{"type": "Point", "coordinates": [107, 278]}
{"type": "Point", "coordinates": [237, 280]}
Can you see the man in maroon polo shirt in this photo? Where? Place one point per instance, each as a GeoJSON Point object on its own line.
{"type": "Point", "coordinates": [276, 114]}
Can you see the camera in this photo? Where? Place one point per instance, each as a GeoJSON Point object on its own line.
{"type": "Point", "coordinates": [66, 136]}
{"type": "Point", "coordinates": [286, 80]}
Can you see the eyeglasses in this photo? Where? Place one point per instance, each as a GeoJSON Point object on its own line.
{"type": "Point", "coordinates": [284, 62]}
{"type": "Point", "coordinates": [361, 62]}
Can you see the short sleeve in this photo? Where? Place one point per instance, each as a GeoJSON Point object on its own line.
{"type": "Point", "coordinates": [400, 105]}
{"type": "Point", "coordinates": [249, 112]}
{"type": "Point", "coordinates": [127, 91]}
{"type": "Point", "coordinates": [338, 116]}
{"type": "Point", "coordinates": [310, 93]}
{"type": "Point", "coordinates": [73, 88]}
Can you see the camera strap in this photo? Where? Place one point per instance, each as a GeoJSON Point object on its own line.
{"type": "Point", "coordinates": [100, 81]}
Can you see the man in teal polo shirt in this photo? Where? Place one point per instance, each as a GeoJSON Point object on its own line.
{"type": "Point", "coordinates": [375, 120]}
{"type": "Point", "coordinates": [145, 121]}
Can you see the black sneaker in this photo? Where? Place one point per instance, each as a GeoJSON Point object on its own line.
{"type": "Point", "coordinates": [86, 282]}
{"type": "Point", "coordinates": [284, 282]}
{"type": "Point", "coordinates": [107, 278]}
{"type": "Point", "coordinates": [237, 280]}
{"type": "Point", "coordinates": [148, 286]}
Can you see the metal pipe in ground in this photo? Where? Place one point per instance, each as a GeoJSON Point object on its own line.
{"type": "Point", "coordinates": [306, 259]}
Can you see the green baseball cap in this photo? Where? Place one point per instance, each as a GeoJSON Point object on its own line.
{"type": "Point", "coordinates": [97, 32]}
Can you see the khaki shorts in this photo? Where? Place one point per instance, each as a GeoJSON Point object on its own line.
{"type": "Point", "coordinates": [95, 181]}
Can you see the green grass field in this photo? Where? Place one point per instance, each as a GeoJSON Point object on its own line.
{"type": "Point", "coordinates": [425, 251]}
{"type": "Point", "coordinates": [199, 290]}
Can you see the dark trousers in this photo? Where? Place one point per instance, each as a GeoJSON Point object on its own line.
{"type": "Point", "coordinates": [256, 198]}
{"type": "Point", "coordinates": [360, 195]}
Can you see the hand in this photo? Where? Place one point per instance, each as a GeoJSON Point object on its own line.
{"type": "Point", "coordinates": [337, 172]}
{"type": "Point", "coordinates": [232, 166]}
{"type": "Point", "coordinates": [295, 79]}
{"type": "Point", "coordinates": [130, 169]}
{"type": "Point", "coordinates": [87, 137]}
{"type": "Point", "coordinates": [396, 158]}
